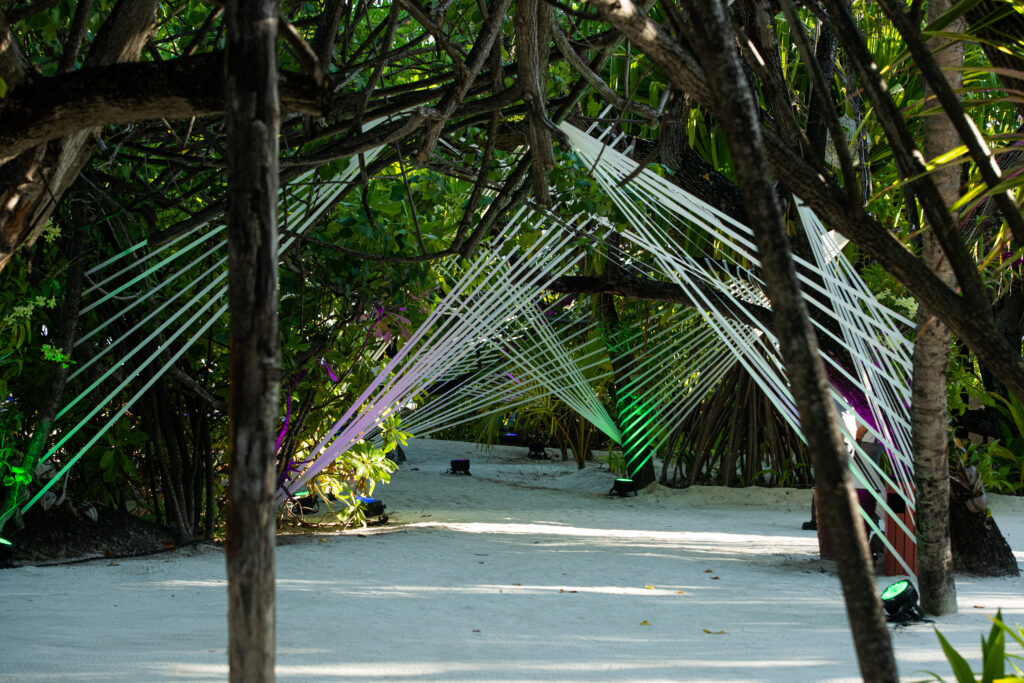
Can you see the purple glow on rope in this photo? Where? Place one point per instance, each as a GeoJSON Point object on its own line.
{"type": "Point", "coordinates": [334, 378]}
{"type": "Point", "coordinates": [853, 394]}
{"type": "Point", "coordinates": [291, 468]}
{"type": "Point", "coordinates": [287, 419]}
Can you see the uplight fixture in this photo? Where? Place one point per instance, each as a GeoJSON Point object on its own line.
{"type": "Point", "coordinates": [622, 487]}
{"type": "Point", "coordinates": [372, 507]}
{"type": "Point", "coordinates": [459, 466]}
{"type": "Point", "coordinates": [900, 602]}
{"type": "Point", "coordinates": [6, 554]}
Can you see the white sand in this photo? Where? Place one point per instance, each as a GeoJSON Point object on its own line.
{"type": "Point", "coordinates": [523, 572]}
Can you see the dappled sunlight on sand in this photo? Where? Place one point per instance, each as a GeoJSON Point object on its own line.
{"type": "Point", "coordinates": [523, 572]}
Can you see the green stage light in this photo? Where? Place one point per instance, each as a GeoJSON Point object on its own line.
{"type": "Point", "coordinates": [900, 602]}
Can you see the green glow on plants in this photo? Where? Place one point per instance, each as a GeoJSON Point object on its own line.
{"type": "Point", "coordinates": [4, 541]}
{"type": "Point", "coordinates": [634, 418]}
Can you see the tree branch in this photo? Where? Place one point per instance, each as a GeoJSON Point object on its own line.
{"type": "Point", "coordinates": [379, 258]}
{"type": "Point", "coordinates": [966, 320]}
{"type": "Point", "coordinates": [198, 390]}
{"type": "Point", "coordinates": [126, 93]}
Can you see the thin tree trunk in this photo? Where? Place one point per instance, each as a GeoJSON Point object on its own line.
{"type": "Point", "coordinates": [173, 505]}
{"type": "Point", "coordinates": [252, 120]}
{"type": "Point", "coordinates": [208, 473]}
{"type": "Point", "coordinates": [627, 406]}
{"type": "Point", "coordinates": [736, 114]}
{"type": "Point", "coordinates": [928, 411]}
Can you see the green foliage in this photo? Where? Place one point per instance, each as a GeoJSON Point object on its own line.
{"type": "Point", "coordinates": [11, 474]}
{"type": "Point", "coordinates": [357, 471]}
{"type": "Point", "coordinates": [993, 462]}
{"type": "Point", "coordinates": [53, 354]}
{"type": "Point", "coordinates": [994, 656]}
{"type": "Point", "coordinates": [152, 175]}
{"type": "Point", "coordinates": [616, 461]}
{"type": "Point", "coordinates": [999, 462]}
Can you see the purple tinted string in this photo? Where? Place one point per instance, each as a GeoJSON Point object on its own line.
{"type": "Point", "coordinates": [334, 378]}
{"type": "Point", "coordinates": [287, 419]}
{"type": "Point", "coordinates": [290, 387]}
{"type": "Point", "coordinates": [291, 468]}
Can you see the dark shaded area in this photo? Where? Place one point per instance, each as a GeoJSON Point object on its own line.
{"type": "Point", "coordinates": [57, 534]}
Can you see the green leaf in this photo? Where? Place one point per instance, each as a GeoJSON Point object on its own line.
{"type": "Point", "coordinates": [961, 669]}
{"type": "Point", "coordinates": [993, 661]}
{"type": "Point", "coordinates": [3, 88]}
{"type": "Point", "coordinates": [9, 480]}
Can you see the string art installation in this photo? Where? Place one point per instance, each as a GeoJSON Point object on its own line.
{"type": "Point", "coordinates": [499, 337]}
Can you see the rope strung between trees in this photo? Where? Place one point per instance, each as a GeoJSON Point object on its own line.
{"type": "Point", "coordinates": [872, 335]}
{"type": "Point", "coordinates": [195, 313]}
{"type": "Point", "coordinates": [500, 284]}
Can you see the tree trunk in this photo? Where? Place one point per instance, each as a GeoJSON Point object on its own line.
{"type": "Point", "coordinates": [735, 112]}
{"type": "Point", "coordinates": [627, 405]}
{"type": "Point", "coordinates": [979, 548]}
{"type": "Point", "coordinates": [928, 410]}
{"type": "Point", "coordinates": [252, 121]}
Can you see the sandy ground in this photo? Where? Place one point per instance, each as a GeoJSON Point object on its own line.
{"type": "Point", "coordinates": [524, 571]}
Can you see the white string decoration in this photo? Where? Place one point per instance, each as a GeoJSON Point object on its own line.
{"type": "Point", "coordinates": [872, 335]}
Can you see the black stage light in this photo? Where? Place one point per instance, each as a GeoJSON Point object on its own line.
{"type": "Point", "coordinates": [623, 487]}
{"type": "Point", "coordinates": [900, 602]}
{"type": "Point", "coordinates": [373, 507]}
{"type": "Point", "coordinates": [459, 466]}
{"type": "Point", "coordinates": [6, 554]}
{"type": "Point", "coordinates": [537, 451]}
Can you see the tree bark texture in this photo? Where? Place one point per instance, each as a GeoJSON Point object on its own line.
{"type": "Point", "coordinates": [979, 548]}
{"type": "Point", "coordinates": [735, 112]}
{"type": "Point", "coordinates": [126, 93]}
{"type": "Point", "coordinates": [252, 122]}
{"type": "Point", "coordinates": [533, 36]}
{"type": "Point", "coordinates": [929, 412]}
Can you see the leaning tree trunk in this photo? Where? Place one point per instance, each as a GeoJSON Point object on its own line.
{"type": "Point", "coordinates": [979, 548]}
{"type": "Point", "coordinates": [735, 112]}
{"type": "Point", "coordinates": [928, 409]}
{"type": "Point", "coordinates": [252, 120]}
